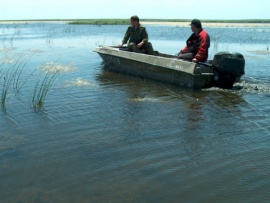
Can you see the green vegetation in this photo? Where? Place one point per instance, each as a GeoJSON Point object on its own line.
{"type": "Point", "coordinates": [238, 21]}
{"type": "Point", "coordinates": [211, 21]}
{"type": "Point", "coordinates": [18, 70]}
{"type": "Point", "coordinates": [42, 87]}
{"type": "Point", "coordinates": [12, 77]}
{"type": "Point", "coordinates": [43, 84]}
{"type": "Point", "coordinates": [127, 21]}
{"type": "Point", "coordinates": [101, 22]}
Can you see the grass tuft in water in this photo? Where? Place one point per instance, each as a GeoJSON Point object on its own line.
{"type": "Point", "coordinates": [19, 69]}
{"type": "Point", "coordinates": [42, 87]}
{"type": "Point", "coordinates": [12, 77]}
{"type": "Point", "coordinates": [8, 78]}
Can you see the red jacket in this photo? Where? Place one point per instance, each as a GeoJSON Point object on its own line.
{"type": "Point", "coordinates": [198, 44]}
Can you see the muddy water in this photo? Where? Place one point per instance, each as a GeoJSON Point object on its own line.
{"type": "Point", "coordinates": [107, 137]}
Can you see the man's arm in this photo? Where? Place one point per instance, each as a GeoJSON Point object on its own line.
{"type": "Point", "coordinates": [126, 37]}
{"type": "Point", "coordinates": [204, 43]}
{"type": "Point", "coordinates": [144, 37]}
{"type": "Point", "coordinates": [184, 50]}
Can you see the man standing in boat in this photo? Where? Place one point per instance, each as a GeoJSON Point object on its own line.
{"type": "Point", "coordinates": [138, 38]}
{"type": "Point", "coordinates": [197, 45]}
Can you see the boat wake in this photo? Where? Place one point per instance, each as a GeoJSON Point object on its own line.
{"type": "Point", "coordinates": [247, 85]}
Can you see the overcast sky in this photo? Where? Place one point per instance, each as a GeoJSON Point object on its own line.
{"type": "Point", "coordinates": [158, 9]}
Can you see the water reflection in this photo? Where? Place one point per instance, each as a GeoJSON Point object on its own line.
{"type": "Point", "coordinates": [193, 106]}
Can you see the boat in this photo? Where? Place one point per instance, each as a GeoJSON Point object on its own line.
{"type": "Point", "coordinates": [223, 71]}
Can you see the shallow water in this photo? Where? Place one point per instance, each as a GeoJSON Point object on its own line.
{"type": "Point", "coordinates": [109, 137]}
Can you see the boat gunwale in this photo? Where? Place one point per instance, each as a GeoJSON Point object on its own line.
{"type": "Point", "coordinates": [179, 65]}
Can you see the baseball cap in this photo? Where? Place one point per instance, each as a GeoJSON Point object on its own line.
{"type": "Point", "coordinates": [196, 22]}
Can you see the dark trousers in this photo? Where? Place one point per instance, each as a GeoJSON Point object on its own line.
{"type": "Point", "coordinates": [186, 56]}
{"type": "Point", "coordinates": [147, 48]}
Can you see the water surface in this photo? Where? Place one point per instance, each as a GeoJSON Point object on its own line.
{"type": "Point", "coordinates": [108, 137]}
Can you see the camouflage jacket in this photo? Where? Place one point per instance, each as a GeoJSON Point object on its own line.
{"type": "Point", "coordinates": [135, 35]}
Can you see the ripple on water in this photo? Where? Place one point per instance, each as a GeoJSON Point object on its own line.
{"type": "Point", "coordinates": [9, 141]}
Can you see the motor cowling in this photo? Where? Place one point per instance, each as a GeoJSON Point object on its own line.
{"type": "Point", "coordinates": [228, 68]}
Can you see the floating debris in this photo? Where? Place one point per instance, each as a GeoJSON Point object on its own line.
{"type": "Point", "coordinates": [6, 49]}
{"type": "Point", "coordinates": [261, 52]}
{"type": "Point", "coordinates": [54, 67]}
{"type": "Point", "coordinates": [80, 82]}
{"type": "Point", "coordinates": [143, 99]}
{"type": "Point", "coordinates": [7, 61]}
{"type": "Point", "coordinates": [35, 51]}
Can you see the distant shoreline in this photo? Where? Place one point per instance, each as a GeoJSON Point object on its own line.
{"type": "Point", "coordinates": [164, 22]}
{"type": "Point", "coordinates": [208, 24]}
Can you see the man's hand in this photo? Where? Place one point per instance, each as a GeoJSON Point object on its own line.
{"type": "Point", "coordinates": [120, 45]}
{"type": "Point", "coordinates": [139, 45]}
{"type": "Point", "coordinates": [195, 60]}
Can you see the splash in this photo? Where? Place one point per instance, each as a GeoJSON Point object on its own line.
{"type": "Point", "coordinates": [247, 86]}
{"type": "Point", "coordinates": [254, 87]}
{"type": "Point", "coordinates": [54, 67]}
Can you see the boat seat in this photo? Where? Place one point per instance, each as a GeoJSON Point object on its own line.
{"type": "Point", "coordinates": [141, 51]}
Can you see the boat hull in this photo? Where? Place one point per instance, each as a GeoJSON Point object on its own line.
{"type": "Point", "coordinates": [166, 69]}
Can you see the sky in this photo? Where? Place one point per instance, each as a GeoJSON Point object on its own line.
{"type": "Point", "coordinates": [153, 9]}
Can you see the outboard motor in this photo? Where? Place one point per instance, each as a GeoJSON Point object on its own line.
{"type": "Point", "coordinates": [228, 68]}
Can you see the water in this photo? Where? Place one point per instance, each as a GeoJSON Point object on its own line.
{"type": "Point", "coordinates": [109, 137]}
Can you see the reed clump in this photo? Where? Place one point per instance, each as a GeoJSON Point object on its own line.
{"type": "Point", "coordinates": [43, 84]}
{"type": "Point", "coordinates": [14, 76]}
{"type": "Point", "coordinates": [11, 77]}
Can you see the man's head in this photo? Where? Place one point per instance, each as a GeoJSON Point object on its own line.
{"type": "Point", "coordinates": [196, 25]}
{"type": "Point", "coordinates": [134, 20]}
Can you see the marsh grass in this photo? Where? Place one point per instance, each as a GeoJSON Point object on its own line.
{"type": "Point", "coordinates": [127, 21]}
{"type": "Point", "coordinates": [12, 77]}
{"type": "Point", "coordinates": [49, 40]}
{"type": "Point", "coordinates": [19, 70]}
{"type": "Point", "coordinates": [5, 89]}
{"type": "Point", "coordinates": [44, 83]}
{"type": "Point", "coordinates": [8, 78]}
{"type": "Point", "coordinates": [101, 22]}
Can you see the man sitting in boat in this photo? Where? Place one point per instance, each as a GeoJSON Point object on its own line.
{"type": "Point", "coordinates": [197, 45]}
{"type": "Point", "coordinates": [138, 38]}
